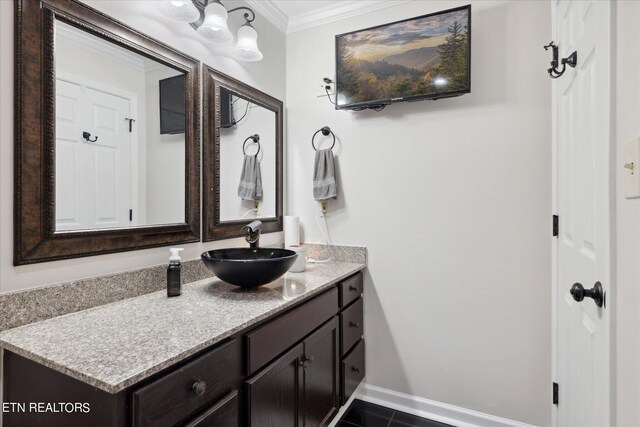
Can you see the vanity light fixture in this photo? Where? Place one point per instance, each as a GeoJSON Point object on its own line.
{"type": "Point", "coordinates": [209, 19]}
{"type": "Point", "coordinates": [178, 10]}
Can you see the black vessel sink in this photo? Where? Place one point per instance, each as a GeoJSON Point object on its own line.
{"type": "Point", "coordinates": [247, 267]}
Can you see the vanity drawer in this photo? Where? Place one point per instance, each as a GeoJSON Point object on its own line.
{"type": "Point", "coordinates": [350, 289]}
{"type": "Point", "coordinates": [222, 413]}
{"type": "Point", "coordinates": [352, 369]}
{"type": "Point", "coordinates": [350, 326]}
{"type": "Point", "coordinates": [267, 342]}
{"type": "Point", "coordinates": [173, 398]}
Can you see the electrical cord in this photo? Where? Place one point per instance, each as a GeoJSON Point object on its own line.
{"type": "Point", "coordinates": [324, 236]}
{"type": "Point", "coordinates": [377, 108]}
{"type": "Point", "coordinates": [246, 110]}
{"type": "Point", "coordinates": [326, 89]}
{"type": "Point", "coordinates": [250, 210]}
{"type": "Point", "coordinates": [235, 122]}
{"type": "Point", "coordinates": [318, 261]}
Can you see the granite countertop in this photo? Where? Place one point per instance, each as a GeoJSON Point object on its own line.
{"type": "Point", "coordinates": [116, 345]}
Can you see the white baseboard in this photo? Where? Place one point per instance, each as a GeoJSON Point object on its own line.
{"type": "Point", "coordinates": [431, 409]}
{"type": "Point", "coordinates": [356, 395]}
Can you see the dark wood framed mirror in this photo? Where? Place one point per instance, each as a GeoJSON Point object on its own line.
{"type": "Point", "coordinates": [243, 137]}
{"type": "Point", "coordinates": [101, 166]}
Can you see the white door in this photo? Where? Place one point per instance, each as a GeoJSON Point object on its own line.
{"type": "Point", "coordinates": [93, 178]}
{"type": "Point", "coordinates": [583, 182]}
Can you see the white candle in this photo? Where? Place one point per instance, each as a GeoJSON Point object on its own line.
{"type": "Point", "coordinates": [291, 230]}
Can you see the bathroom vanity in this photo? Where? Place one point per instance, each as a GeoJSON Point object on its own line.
{"type": "Point", "coordinates": [286, 354]}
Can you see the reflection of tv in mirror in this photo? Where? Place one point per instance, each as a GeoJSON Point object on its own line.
{"type": "Point", "coordinates": [172, 105]}
{"type": "Point", "coordinates": [227, 118]}
{"type": "Point", "coordinates": [427, 57]}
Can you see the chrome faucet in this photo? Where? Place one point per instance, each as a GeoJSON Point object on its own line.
{"type": "Point", "coordinates": [253, 233]}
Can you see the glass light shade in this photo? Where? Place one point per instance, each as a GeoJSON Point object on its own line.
{"type": "Point", "coordinates": [247, 46]}
{"type": "Point", "coordinates": [178, 10]}
{"type": "Point", "coordinates": [214, 28]}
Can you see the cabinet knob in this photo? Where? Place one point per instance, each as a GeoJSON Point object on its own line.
{"type": "Point", "coordinates": [305, 361]}
{"type": "Point", "coordinates": [354, 369]}
{"type": "Point", "coordinates": [200, 387]}
{"type": "Point", "coordinates": [353, 324]}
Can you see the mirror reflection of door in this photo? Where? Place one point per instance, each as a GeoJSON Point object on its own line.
{"type": "Point", "coordinates": [90, 193]}
{"type": "Point", "coordinates": [130, 171]}
{"type": "Point", "coordinates": [240, 119]}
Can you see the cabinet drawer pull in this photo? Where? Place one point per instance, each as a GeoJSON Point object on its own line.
{"type": "Point", "coordinates": [200, 387]}
{"type": "Point", "coordinates": [353, 288]}
{"type": "Point", "coordinates": [354, 369]}
{"type": "Point", "coordinates": [353, 324]}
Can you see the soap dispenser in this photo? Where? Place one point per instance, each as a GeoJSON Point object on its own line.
{"type": "Point", "coordinates": [174, 276]}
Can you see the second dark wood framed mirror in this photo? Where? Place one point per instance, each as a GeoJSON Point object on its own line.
{"type": "Point", "coordinates": [242, 157]}
{"type": "Point", "coordinates": [107, 147]}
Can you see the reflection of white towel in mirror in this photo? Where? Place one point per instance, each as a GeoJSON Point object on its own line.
{"type": "Point", "coordinates": [250, 187]}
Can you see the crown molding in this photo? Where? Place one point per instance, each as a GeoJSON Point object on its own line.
{"type": "Point", "coordinates": [325, 15]}
{"type": "Point", "coordinates": [347, 9]}
{"type": "Point", "coordinates": [271, 12]}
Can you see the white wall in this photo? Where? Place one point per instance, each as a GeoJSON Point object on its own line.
{"type": "Point", "coordinates": [259, 121]}
{"type": "Point", "coordinates": [165, 157]}
{"type": "Point", "coordinates": [627, 297]}
{"type": "Point", "coordinates": [267, 75]}
{"type": "Point", "coordinates": [453, 201]}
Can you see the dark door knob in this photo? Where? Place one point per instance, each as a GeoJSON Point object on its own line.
{"type": "Point", "coordinates": [596, 293]}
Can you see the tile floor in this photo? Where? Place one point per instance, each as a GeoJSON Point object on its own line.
{"type": "Point", "coordinates": [365, 414]}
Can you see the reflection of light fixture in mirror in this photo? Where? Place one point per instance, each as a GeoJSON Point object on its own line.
{"type": "Point", "coordinates": [178, 10]}
{"type": "Point", "coordinates": [210, 23]}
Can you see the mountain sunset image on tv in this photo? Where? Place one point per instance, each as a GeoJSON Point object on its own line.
{"type": "Point", "coordinates": [426, 57]}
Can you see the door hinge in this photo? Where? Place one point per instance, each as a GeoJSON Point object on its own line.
{"type": "Point", "coordinates": [555, 226]}
{"type": "Point", "coordinates": [130, 214]}
{"type": "Point", "coordinates": [555, 393]}
{"type": "Point", "coordinates": [130, 124]}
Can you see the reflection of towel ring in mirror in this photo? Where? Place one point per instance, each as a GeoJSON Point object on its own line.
{"type": "Point", "coordinates": [325, 131]}
{"type": "Point", "coordinates": [255, 138]}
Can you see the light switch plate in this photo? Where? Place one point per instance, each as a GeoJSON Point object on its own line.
{"type": "Point", "coordinates": [632, 168]}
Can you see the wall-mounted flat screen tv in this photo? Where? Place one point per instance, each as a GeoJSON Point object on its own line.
{"type": "Point", "coordinates": [172, 105]}
{"type": "Point", "coordinates": [427, 57]}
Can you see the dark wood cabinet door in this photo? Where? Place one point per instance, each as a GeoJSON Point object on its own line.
{"type": "Point", "coordinates": [273, 394]}
{"type": "Point", "coordinates": [321, 375]}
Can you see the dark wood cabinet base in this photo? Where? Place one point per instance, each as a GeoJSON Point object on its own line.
{"type": "Point", "coordinates": [301, 383]}
{"type": "Point", "coordinates": [28, 383]}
